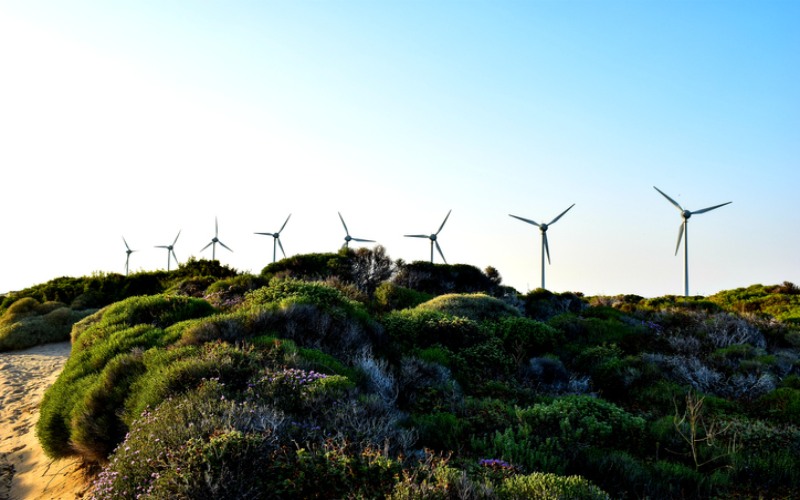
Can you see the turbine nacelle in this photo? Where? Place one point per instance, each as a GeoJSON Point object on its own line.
{"type": "Point", "coordinates": [686, 214]}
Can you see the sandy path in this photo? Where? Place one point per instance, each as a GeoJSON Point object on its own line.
{"type": "Point", "coordinates": [24, 377]}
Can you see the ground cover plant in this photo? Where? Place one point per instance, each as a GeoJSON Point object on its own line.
{"type": "Point", "coordinates": [304, 382]}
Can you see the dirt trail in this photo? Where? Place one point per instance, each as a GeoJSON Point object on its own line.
{"type": "Point", "coordinates": [25, 471]}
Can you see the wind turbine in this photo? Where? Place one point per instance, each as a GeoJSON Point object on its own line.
{"type": "Point", "coordinates": [348, 238]}
{"type": "Point", "coordinates": [128, 251]}
{"type": "Point", "coordinates": [543, 229]}
{"type": "Point", "coordinates": [433, 238]}
{"type": "Point", "coordinates": [277, 242]}
{"type": "Point", "coordinates": [683, 233]}
{"type": "Point", "coordinates": [214, 242]}
{"type": "Point", "coordinates": [170, 250]}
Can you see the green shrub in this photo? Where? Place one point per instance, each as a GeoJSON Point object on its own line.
{"type": "Point", "coordinates": [549, 486]}
{"type": "Point", "coordinates": [441, 431]}
{"type": "Point", "coordinates": [524, 338]}
{"type": "Point", "coordinates": [193, 445]}
{"type": "Point", "coordinates": [418, 329]}
{"type": "Point", "coordinates": [116, 330]}
{"type": "Point", "coordinates": [438, 279]}
{"type": "Point", "coordinates": [27, 323]}
{"type": "Point", "coordinates": [676, 480]}
{"type": "Point", "coordinates": [391, 297]}
{"type": "Point", "coordinates": [475, 306]}
{"type": "Point", "coordinates": [310, 267]}
{"type": "Point", "coordinates": [542, 304]}
{"type": "Point", "coordinates": [95, 423]}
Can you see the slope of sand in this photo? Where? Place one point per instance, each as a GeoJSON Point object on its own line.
{"type": "Point", "coordinates": [25, 471]}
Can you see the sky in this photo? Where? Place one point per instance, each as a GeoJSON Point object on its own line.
{"type": "Point", "coordinates": [143, 119]}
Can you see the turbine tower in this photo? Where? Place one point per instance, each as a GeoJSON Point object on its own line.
{"type": "Point", "coordinates": [433, 238]}
{"type": "Point", "coordinates": [683, 233]}
{"type": "Point", "coordinates": [543, 229]}
{"type": "Point", "coordinates": [128, 251]}
{"type": "Point", "coordinates": [214, 242]}
{"type": "Point", "coordinates": [277, 240]}
{"type": "Point", "coordinates": [170, 251]}
{"type": "Point", "coordinates": [348, 238]}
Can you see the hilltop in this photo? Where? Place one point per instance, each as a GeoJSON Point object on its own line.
{"type": "Point", "coordinates": [350, 375]}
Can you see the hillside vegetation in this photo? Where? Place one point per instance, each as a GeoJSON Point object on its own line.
{"type": "Point", "coordinates": [348, 375]}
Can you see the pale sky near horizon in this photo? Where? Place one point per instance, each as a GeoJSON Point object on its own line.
{"type": "Point", "coordinates": [142, 119]}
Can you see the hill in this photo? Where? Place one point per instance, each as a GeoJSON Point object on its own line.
{"type": "Point", "coordinates": [349, 375]}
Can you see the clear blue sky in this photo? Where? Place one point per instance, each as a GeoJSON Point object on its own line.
{"type": "Point", "coordinates": [140, 119]}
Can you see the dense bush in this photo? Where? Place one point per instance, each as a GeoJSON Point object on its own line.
{"type": "Point", "coordinates": [438, 279]}
{"type": "Point", "coordinates": [116, 330]}
{"type": "Point", "coordinates": [27, 323]}
{"type": "Point", "coordinates": [475, 306]}
{"type": "Point", "coordinates": [390, 297]}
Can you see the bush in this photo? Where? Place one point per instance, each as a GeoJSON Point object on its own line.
{"type": "Point", "coordinates": [391, 297]}
{"type": "Point", "coordinates": [27, 323]}
{"type": "Point", "coordinates": [438, 279]}
{"type": "Point", "coordinates": [116, 330]}
{"type": "Point", "coordinates": [541, 304]}
{"type": "Point", "coordinates": [540, 485]}
{"type": "Point", "coordinates": [476, 306]}
{"type": "Point", "coordinates": [551, 436]}
{"type": "Point", "coordinates": [523, 337]}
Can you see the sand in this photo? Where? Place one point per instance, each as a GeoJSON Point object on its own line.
{"type": "Point", "coordinates": [25, 471]}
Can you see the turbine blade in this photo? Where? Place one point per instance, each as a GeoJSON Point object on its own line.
{"type": "Point", "coordinates": [267, 234]}
{"type": "Point", "coordinates": [281, 245]}
{"type": "Point", "coordinates": [216, 228]}
{"type": "Point", "coordinates": [440, 251]}
{"type": "Point", "coordinates": [710, 208]}
{"type": "Point", "coordinates": [126, 243]}
{"type": "Point", "coordinates": [546, 246]}
{"type": "Point", "coordinates": [560, 215]}
{"type": "Point", "coordinates": [161, 246]}
{"type": "Point", "coordinates": [417, 235]}
{"type": "Point", "coordinates": [677, 205]}
{"type": "Point", "coordinates": [284, 224]}
{"type": "Point", "coordinates": [680, 237]}
{"type": "Point", "coordinates": [443, 223]}
{"type": "Point", "coordinates": [224, 245]}
{"type": "Point", "coordinates": [362, 241]}
{"type": "Point", "coordinates": [525, 220]}
{"type": "Point", "coordinates": [175, 256]}
{"type": "Point", "coordinates": [206, 246]}
{"type": "Point", "coordinates": [347, 232]}
{"type": "Point", "coordinates": [176, 239]}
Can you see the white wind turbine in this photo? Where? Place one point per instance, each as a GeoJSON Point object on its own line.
{"type": "Point", "coordinates": [348, 238]}
{"type": "Point", "coordinates": [128, 253]}
{"type": "Point", "coordinates": [684, 234]}
{"type": "Point", "coordinates": [433, 238]}
{"type": "Point", "coordinates": [170, 251]}
{"type": "Point", "coordinates": [277, 240]}
{"type": "Point", "coordinates": [214, 242]}
{"type": "Point", "coordinates": [543, 229]}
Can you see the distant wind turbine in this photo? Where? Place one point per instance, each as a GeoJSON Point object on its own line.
{"type": "Point", "coordinates": [543, 229]}
{"type": "Point", "coordinates": [433, 238]}
{"type": "Point", "coordinates": [214, 242]}
{"type": "Point", "coordinates": [277, 242]}
{"type": "Point", "coordinates": [683, 233]}
{"type": "Point", "coordinates": [348, 238]}
{"type": "Point", "coordinates": [128, 251]}
{"type": "Point", "coordinates": [171, 251]}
